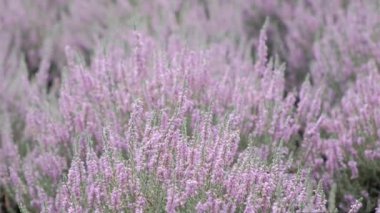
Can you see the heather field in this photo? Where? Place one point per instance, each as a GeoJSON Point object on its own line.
{"type": "Point", "coordinates": [189, 106]}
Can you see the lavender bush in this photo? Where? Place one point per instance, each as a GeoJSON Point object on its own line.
{"type": "Point", "coordinates": [189, 106]}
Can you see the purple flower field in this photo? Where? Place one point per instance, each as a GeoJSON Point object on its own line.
{"type": "Point", "coordinates": [190, 106]}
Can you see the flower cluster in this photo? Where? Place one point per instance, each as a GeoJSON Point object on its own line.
{"type": "Point", "coordinates": [171, 106]}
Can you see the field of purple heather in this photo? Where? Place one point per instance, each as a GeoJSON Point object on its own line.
{"type": "Point", "coordinates": [190, 106]}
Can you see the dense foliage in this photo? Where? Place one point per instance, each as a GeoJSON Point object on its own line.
{"type": "Point", "coordinates": [189, 106]}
